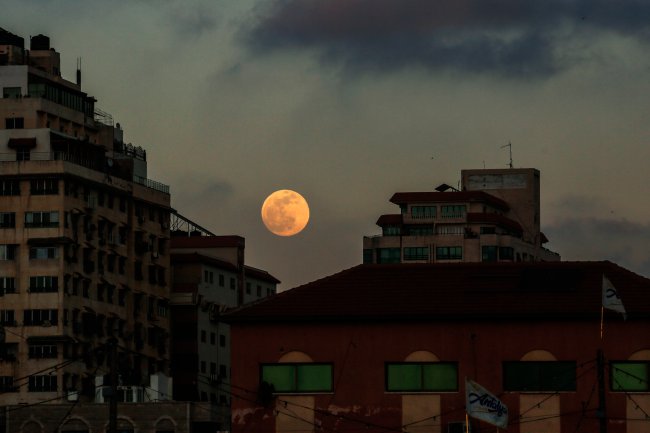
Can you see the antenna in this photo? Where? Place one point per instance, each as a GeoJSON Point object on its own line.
{"type": "Point", "coordinates": [509, 146]}
{"type": "Point", "coordinates": [78, 71]}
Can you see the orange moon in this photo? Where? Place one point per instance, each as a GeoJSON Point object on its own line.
{"type": "Point", "coordinates": [285, 212]}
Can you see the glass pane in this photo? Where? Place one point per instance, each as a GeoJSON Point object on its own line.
{"type": "Point", "coordinates": [557, 376]}
{"type": "Point", "coordinates": [404, 377]}
{"type": "Point", "coordinates": [314, 378]}
{"type": "Point", "coordinates": [282, 377]}
{"type": "Point", "coordinates": [440, 377]}
{"type": "Point", "coordinates": [630, 376]}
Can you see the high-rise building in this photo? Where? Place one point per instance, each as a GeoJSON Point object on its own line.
{"type": "Point", "coordinates": [495, 216]}
{"type": "Point", "coordinates": [209, 277]}
{"type": "Point", "coordinates": [84, 238]}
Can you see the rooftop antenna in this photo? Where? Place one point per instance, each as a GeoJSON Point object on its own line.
{"type": "Point", "coordinates": [509, 146]}
{"type": "Point", "coordinates": [79, 71]}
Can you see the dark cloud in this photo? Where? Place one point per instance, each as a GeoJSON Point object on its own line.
{"type": "Point", "coordinates": [618, 240]}
{"type": "Point", "coordinates": [508, 37]}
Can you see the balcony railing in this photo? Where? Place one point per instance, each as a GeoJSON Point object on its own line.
{"type": "Point", "coordinates": [84, 162]}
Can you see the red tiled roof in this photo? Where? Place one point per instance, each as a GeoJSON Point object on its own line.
{"type": "Point", "coordinates": [474, 291]}
{"type": "Point", "coordinates": [177, 258]}
{"type": "Point", "coordinates": [448, 197]}
{"type": "Point", "coordinates": [261, 275]}
{"type": "Point", "coordinates": [493, 218]}
{"type": "Point", "coordinates": [392, 219]}
{"type": "Point", "coordinates": [206, 241]}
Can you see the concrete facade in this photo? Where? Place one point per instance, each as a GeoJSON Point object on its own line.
{"type": "Point", "coordinates": [494, 217]}
{"type": "Point", "coordinates": [84, 238]}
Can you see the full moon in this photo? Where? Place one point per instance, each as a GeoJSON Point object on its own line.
{"type": "Point", "coordinates": [285, 212]}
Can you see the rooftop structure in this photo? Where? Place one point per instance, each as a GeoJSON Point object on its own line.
{"type": "Point", "coordinates": [494, 217]}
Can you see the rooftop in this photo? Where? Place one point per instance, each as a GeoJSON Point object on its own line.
{"type": "Point", "coordinates": [458, 291]}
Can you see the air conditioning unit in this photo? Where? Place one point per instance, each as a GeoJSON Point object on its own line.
{"type": "Point", "coordinates": [458, 427]}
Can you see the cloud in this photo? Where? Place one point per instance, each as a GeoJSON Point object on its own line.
{"type": "Point", "coordinates": [504, 37]}
{"type": "Point", "coordinates": [618, 240]}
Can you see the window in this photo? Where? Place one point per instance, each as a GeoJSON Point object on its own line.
{"type": "Point", "coordinates": [232, 283]}
{"type": "Point", "coordinates": [388, 255]}
{"type": "Point", "coordinates": [298, 378]}
{"type": "Point", "coordinates": [7, 252]}
{"type": "Point", "coordinates": [630, 376]}
{"type": "Point", "coordinates": [12, 92]}
{"type": "Point", "coordinates": [7, 318]}
{"type": "Point", "coordinates": [367, 255]}
{"type": "Point", "coordinates": [453, 211]}
{"type": "Point", "coordinates": [489, 253]}
{"type": "Point", "coordinates": [43, 284]}
{"type": "Point", "coordinates": [449, 253]}
{"type": "Point", "coordinates": [422, 377]}
{"type": "Point", "coordinates": [7, 285]}
{"type": "Point", "coordinates": [203, 367]}
{"type": "Point", "coordinates": [44, 186]}
{"type": "Point", "coordinates": [420, 230]}
{"type": "Point", "coordinates": [43, 253]}
{"type": "Point", "coordinates": [213, 338]}
{"type": "Point", "coordinates": [259, 291]}
{"type": "Point", "coordinates": [488, 230]}
{"type": "Point", "coordinates": [7, 220]}
{"type": "Point", "coordinates": [14, 123]}
{"type": "Point", "coordinates": [223, 371]}
{"type": "Point", "coordinates": [222, 340]}
{"type": "Point", "coordinates": [41, 219]}
{"type": "Point", "coordinates": [213, 368]}
{"type": "Point", "coordinates": [43, 351]}
{"type": "Point", "coordinates": [222, 280]}
{"type": "Point", "coordinates": [248, 288]}
{"type": "Point", "coordinates": [9, 187]}
{"type": "Point", "coordinates": [43, 383]}
{"type": "Point", "coordinates": [40, 317]}
{"type": "Point", "coordinates": [203, 336]}
{"type": "Point", "coordinates": [7, 384]}
{"type": "Point", "coordinates": [416, 253]}
{"type": "Point", "coordinates": [391, 230]}
{"type": "Point", "coordinates": [539, 376]}
{"type": "Point", "coordinates": [506, 253]}
{"type": "Point", "coordinates": [23, 154]}
{"type": "Point", "coordinates": [423, 212]}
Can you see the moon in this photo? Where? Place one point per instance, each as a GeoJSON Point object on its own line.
{"type": "Point", "coordinates": [285, 212]}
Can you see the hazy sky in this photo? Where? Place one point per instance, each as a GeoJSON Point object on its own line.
{"type": "Point", "coordinates": [349, 101]}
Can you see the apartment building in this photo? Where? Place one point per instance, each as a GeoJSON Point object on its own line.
{"type": "Point", "coordinates": [495, 216]}
{"type": "Point", "coordinates": [84, 238]}
{"type": "Point", "coordinates": [209, 277]}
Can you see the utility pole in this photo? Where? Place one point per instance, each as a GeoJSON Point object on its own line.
{"type": "Point", "coordinates": [112, 406]}
{"type": "Point", "coordinates": [601, 413]}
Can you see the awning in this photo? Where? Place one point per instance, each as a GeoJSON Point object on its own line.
{"type": "Point", "coordinates": [22, 143]}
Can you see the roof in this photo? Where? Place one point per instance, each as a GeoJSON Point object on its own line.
{"type": "Point", "coordinates": [391, 219]}
{"type": "Point", "coordinates": [207, 241]}
{"type": "Point", "coordinates": [458, 291]}
{"type": "Point", "coordinates": [493, 218]}
{"type": "Point", "coordinates": [448, 197]}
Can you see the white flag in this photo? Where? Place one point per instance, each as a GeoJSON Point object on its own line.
{"type": "Point", "coordinates": [483, 405]}
{"type": "Point", "coordinates": [611, 300]}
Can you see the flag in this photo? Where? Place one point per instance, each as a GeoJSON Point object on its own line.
{"type": "Point", "coordinates": [611, 300]}
{"type": "Point", "coordinates": [483, 405]}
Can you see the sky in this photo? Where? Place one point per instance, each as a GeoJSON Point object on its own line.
{"type": "Point", "coordinates": [349, 101]}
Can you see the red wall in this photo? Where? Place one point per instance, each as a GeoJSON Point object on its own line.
{"type": "Point", "coordinates": [358, 352]}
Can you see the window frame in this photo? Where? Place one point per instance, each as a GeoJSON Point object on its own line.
{"type": "Point", "coordinates": [297, 367]}
{"type": "Point", "coordinates": [420, 390]}
{"type": "Point", "coordinates": [544, 389]}
{"type": "Point", "coordinates": [449, 255]}
{"type": "Point", "coordinates": [616, 386]}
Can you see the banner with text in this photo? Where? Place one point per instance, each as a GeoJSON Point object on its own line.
{"type": "Point", "coordinates": [483, 405]}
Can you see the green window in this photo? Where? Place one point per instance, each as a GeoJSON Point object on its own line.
{"type": "Point", "coordinates": [489, 253]}
{"type": "Point", "coordinates": [423, 211]}
{"type": "Point", "coordinates": [453, 211]}
{"type": "Point", "coordinates": [391, 230]}
{"type": "Point", "coordinates": [449, 253]}
{"type": "Point", "coordinates": [416, 253]}
{"type": "Point", "coordinates": [367, 255]}
{"type": "Point", "coordinates": [506, 253]}
{"type": "Point", "coordinates": [421, 377]}
{"type": "Point", "coordinates": [630, 376]}
{"type": "Point", "coordinates": [298, 378]}
{"type": "Point", "coordinates": [388, 255]}
{"type": "Point", "coordinates": [539, 376]}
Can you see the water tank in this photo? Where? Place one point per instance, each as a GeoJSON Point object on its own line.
{"type": "Point", "coordinates": [39, 42]}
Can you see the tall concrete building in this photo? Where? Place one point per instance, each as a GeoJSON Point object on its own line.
{"type": "Point", "coordinates": [495, 216]}
{"type": "Point", "coordinates": [84, 239]}
{"type": "Point", "coordinates": [209, 277]}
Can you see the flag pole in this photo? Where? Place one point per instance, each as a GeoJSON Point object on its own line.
{"type": "Point", "coordinates": [602, 317]}
{"type": "Point", "coordinates": [466, 422]}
